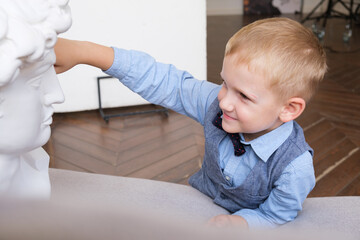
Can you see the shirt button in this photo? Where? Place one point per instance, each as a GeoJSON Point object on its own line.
{"type": "Point", "coordinates": [227, 178]}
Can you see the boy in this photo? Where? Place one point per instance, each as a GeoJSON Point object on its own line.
{"type": "Point", "coordinates": [257, 164]}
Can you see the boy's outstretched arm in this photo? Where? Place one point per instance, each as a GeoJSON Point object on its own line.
{"type": "Point", "coordinates": [70, 53]}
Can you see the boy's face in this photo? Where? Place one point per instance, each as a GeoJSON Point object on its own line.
{"type": "Point", "coordinates": [248, 104]}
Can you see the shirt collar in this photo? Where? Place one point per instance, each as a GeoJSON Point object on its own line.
{"type": "Point", "coordinates": [265, 145]}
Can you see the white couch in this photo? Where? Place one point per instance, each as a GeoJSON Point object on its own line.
{"type": "Point", "coordinates": [93, 206]}
{"type": "Point", "coordinates": [335, 214]}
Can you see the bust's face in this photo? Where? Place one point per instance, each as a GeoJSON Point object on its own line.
{"type": "Point", "coordinates": [26, 107]}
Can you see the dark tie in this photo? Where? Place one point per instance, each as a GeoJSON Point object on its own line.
{"type": "Point", "coordinates": [235, 137]}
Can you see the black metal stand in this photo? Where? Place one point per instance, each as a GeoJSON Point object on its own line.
{"type": "Point", "coordinates": [107, 117]}
{"type": "Point", "coordinates": [331, 12]}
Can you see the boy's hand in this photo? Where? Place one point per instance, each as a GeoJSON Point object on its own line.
{"type": "Point", "coordinates": [228, 221]}
{"type": "Point", "coordinates": [66, 55]}
{"type": "Point", "coordinates": [71, 52]}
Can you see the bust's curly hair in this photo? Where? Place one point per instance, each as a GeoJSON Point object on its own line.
{"type": "Point", "coordinates": [28, 31]}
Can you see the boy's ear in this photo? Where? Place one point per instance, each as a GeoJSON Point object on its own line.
{"type": "Point", "coordinates": [292, 109]}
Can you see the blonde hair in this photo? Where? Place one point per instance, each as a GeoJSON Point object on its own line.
{"type": "Point", "coordinates": [284, 52]}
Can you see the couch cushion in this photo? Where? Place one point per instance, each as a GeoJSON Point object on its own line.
{"type": "Point", "coordinates": [180, 200]}
{"type": "Point", "coordinates": [331, 214]}
{"type": "Point", "coordinates": [340, 215]}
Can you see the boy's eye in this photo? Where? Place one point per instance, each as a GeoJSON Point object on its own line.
{"type": "Point", "coordinates": [244, 96]}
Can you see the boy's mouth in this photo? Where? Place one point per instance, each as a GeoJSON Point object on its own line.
{"type": "Point", "coordinates": [226, 116]}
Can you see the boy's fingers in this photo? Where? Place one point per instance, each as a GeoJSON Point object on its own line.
{"type": "Point", "coordinates": [59, 69]}
{"type": "Point", "coordinates": [218, 221]}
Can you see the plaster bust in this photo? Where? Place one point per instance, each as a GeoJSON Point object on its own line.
{"type": "Point", "coordinates": [28, 88]}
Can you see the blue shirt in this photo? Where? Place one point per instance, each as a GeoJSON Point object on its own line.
{"type": "Point", "coordinates": [178, 90]}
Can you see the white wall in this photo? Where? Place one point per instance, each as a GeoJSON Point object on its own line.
{"type": "Point", "coordinates": [172, 31]}
{"type": "Point", "coordinates": [220, 7]}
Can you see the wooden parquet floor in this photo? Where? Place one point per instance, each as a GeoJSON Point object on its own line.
{"type": "Point", "coordinates": [171, 148]}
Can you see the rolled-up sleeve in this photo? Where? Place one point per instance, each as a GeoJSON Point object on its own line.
{"type": "Point", "coordinates": [163, 84]}
{"type": "Point", "coordinates": [285, 200]}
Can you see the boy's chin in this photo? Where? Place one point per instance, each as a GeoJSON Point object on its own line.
{"type": "Point", "coordinates": [230, 128]}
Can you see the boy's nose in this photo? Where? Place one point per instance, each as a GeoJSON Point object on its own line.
{"type": "Point", "coordinates": [226, 103]}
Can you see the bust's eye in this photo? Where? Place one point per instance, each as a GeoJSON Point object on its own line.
{"type": "Point", "coordinates": [35, 82]}
{"type": "Point", "coordinates": [1, 102]}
